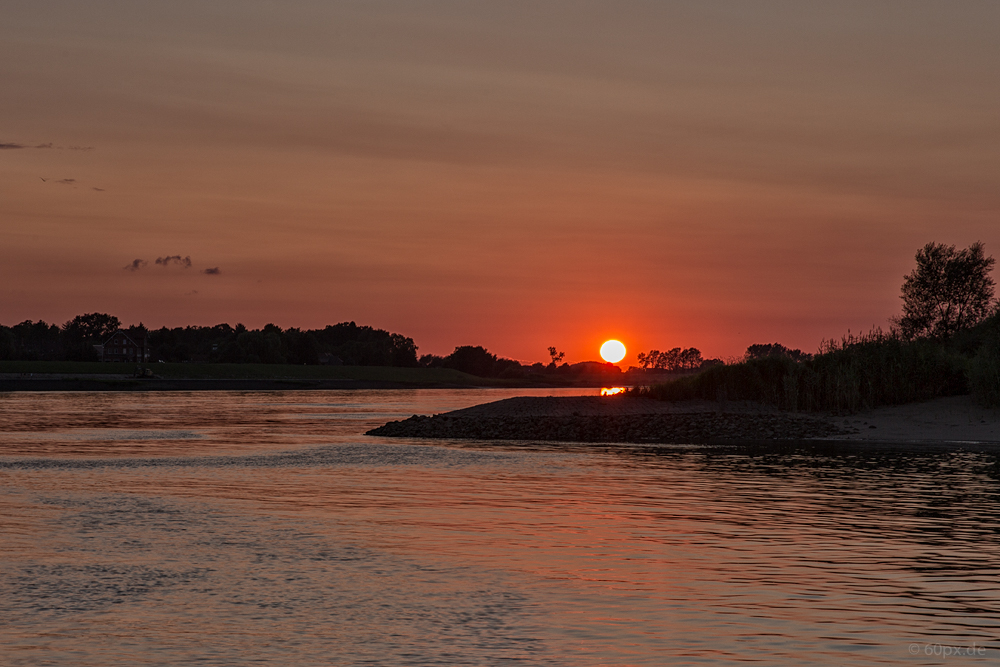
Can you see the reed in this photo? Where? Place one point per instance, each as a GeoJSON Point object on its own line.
{"type": "Point", "coordinates": [858, 372]}
{"type": "Point", "coordinates": [984, 374]}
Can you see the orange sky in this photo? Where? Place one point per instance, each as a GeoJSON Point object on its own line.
{"type": "Point", "coordinates": [516, 176]}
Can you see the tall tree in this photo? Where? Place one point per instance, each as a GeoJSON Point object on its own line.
{"type": "Point", "coordinates": [472, 359]}
{"type": "Point", "coordinates": [949, 290]}
{"type": "Point", "coordinates": [96, 327]}
{"type": "Point", "coordinates": [764, 350]}
{"type": "Point", "coordinates": [690, 358]}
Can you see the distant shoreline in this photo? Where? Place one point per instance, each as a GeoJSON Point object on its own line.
{"type": "Point", "coordinates": [16, 376]}
{"type": "Point", "coordinates": [36, 384]}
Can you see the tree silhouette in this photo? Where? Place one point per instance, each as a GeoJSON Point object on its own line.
{"type": "Point", "coordinates": [472, 359]}
{"type": "Point", "coordinates": [80, 334]}
{"type": "Point", "coordinates": [671, 360]}
{"type": "Point", "coordinates": [690, 358]}
{"type": "Point", "coordinates": [949, 290]}
{"type": "Point", "coordinates": [764, 350]}
{"type": "Point", "coordinates": [95, 327]}
{"type": "Point", "coordinates": [556, 356]}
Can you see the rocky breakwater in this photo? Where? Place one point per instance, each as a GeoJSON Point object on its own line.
{"type": "Point", "coordinates": [613, 419]}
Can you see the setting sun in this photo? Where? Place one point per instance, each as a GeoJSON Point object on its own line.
{"type": "Point", "coordinates": [613, 351]}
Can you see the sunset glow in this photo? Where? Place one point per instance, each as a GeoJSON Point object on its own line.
{"type": "Point", "coordinates": [613, 351]}
{"type": "Point", "coordinates": [450, 171]}
{"type": "Point", "coordinates": [313, 319]}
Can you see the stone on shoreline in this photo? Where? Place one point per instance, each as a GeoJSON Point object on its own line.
{"type": "Point", "coordinates": [667, 428]}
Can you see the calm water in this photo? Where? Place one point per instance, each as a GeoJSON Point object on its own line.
{"type": "Point", "coordinates": [263, 528]}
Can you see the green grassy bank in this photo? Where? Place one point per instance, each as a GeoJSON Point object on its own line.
{"type": "Point", "coordinates": [416, 376]}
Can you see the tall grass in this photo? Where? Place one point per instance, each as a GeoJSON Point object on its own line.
{"type": "Point", "coordinates": [984, 373]}
{"type": "Point", "coordinates": [856, 373]}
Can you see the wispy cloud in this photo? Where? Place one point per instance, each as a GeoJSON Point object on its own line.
{"type": "Point", "coordinates": [214, 271]}
{"type": "Point", "coordinates": [175, 260]}
{"type": "Point", "coordinates": [10, 145]}
{"type": "Point", "coordinates": [136, 265]}
{"type": "Point", "coordinates": [67, 181]}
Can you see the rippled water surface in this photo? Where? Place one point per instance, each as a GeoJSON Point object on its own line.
{"type": "Point", "coordinates": [262, 528]}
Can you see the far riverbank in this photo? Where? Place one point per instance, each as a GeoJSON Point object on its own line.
{"type": "Point", "coordinates": [95, 376]}
{"type": "Point", "coordinates": [126, 383]}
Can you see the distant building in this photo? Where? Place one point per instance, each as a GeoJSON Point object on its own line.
{"type": "Point", "coordinates": [124, 346]}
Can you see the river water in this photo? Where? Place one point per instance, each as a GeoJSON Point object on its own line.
{"type": "Point", "coordinates": [219, 528]}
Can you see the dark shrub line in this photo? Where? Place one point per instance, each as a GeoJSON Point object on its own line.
{"type": "Point", "coordinates": [856, 373]}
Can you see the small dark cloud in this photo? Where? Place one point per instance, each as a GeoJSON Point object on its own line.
{"type": "Point", "coordinates": [174, 259]}
{"type": "Point", "coordinates": [214, 271]}
{"type": "Point", "coordinates": [12, 145]}
{"type": "Point", "coordinates": [66, 181]}
{"type": "Point", "coordinates": [191, 293]}
{"type": "Point", "coordinates": [169, 260]}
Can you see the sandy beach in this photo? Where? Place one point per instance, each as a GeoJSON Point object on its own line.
{"type": "Point", "coordinates": [950, 419]}
{"type": "Point", "coordinates": [945, 421]}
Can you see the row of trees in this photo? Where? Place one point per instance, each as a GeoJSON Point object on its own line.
{"type": "Point", "coordinates": [679, 359]}
{"type": "Point", "coordinates": [345, 343]}
{"type": "Point", "coordinates": [672, 360]}
{"type": "Point", "coordinates": [763, 351]}
{"type": "Point", "coordinates": [73, 341]}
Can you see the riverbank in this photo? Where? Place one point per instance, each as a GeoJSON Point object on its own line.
{"type": "Point", "coordinates": [94, 376]}
{"type": "Point", "coordinates": [18, 376]}
{"type": "Point", "coordinates": [82, 370]}
{"type": "Point", "coordinates": [126, 383]}
{"type": "Point", "coordinates": [637, 420]}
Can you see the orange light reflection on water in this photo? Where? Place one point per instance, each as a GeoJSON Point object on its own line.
{"type": "Point", "coordinates": [396, 551]}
